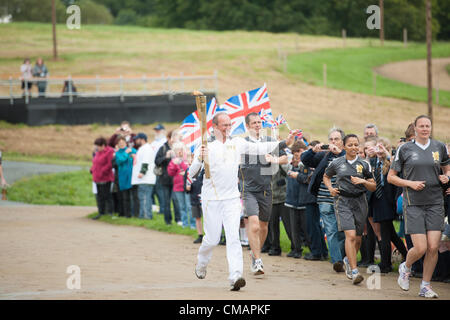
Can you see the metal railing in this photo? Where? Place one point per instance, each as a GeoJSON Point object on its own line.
{"type": "Point", "coordinates": [106, 86]}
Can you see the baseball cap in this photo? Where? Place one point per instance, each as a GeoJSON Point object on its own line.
{"type": "Point", "coordinates": [141, 135]}
{"type": "Point", "coordinates": [159, 127]}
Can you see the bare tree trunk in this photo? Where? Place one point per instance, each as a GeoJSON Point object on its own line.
{"type": "Point", "coordinates": [55, 51]}
{"type": "Point", "coordinates": [382, 22]}
{"type": "Point", "coordinates": [429, 74]}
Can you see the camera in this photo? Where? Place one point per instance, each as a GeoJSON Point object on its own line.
{"type": "Point", "coordinates": [325, 147]}
{"type": "Point", "coordinates": [403, 139]}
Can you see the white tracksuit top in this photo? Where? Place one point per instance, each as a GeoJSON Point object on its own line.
{"type": "Point", "coordinates": [224, 160]}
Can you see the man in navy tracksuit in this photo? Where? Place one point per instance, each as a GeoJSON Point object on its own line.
{"type": "Point", "coordinates": [319, 158]}
{"type": "Point", "coordinates": [318, 246]}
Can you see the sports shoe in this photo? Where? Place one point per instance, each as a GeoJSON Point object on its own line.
{"type": "Point", "coordinates": [200, 272]}
{"type": "Point", "coordinates": [275, 252]}
{"type": "Point", "coordinates": [357, 278]}
{"type": "Point", "coordinates": [338, 266]}
{"type": "Point", "coordinates": [290, 254]}
{"type": "Point", "coordinates": [427, 292]}
{"type": "Point", "coordinates": [199, 239]}
{"type": "Point", "coordinates": [403, 278]}
{"type": "Point", "coordinates": [257, 266]}
{"type": "Point", "coordinates": [348, 269]}
{"type": "Point", "coordinates": [238, 284]}
{"type": "Point", "coordinates": [310, 257]}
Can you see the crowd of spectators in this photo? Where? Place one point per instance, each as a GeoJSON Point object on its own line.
{"type": "Point", "coordinates": [130, 172]}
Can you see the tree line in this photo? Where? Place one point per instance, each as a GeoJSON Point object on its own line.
{"type": "Point", "coordinates": [318, 17]}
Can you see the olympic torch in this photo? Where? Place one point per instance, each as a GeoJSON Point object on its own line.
{"type": "Point", "coordinates": [200, 100]}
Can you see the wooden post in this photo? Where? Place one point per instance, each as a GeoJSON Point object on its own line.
{"type": "Point", "coordinates": [200, 100]}
{"type": "Point", "coordinates": [70, 89]}
{"type": "Point", "coordinates": [11, 100]}
{"type": "Point", "coordinates": [382, 22]}
{"type": "Point", "coordinates": [429, 75]}
{"type": "Point", "coordinates": [325, 75]}
{"type": "Point", "coordinates": [55, 51]}
{"type": "Point", "coordinates": [374, 83]}
{"type": "Point", "coordinates": [97, 81]}
{"type": "Point", "coordinates": [121, 88]}
{"type": "Point", "coordinates": [344, 36]}
{"type": "Point", "coordinates": [405, 37]}
{"type": "Point", "coordinates": [437, 88]}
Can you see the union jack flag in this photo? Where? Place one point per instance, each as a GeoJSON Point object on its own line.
{"type": "Point", "coordinates": [240, 105]}
{"type": "Point", "coordinates": [266, 117]}
{"type": "Point", "coordinates": [280, 120]}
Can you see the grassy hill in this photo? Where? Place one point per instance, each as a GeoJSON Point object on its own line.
{"type": "Point", "coordinates": [244, 60]}
{"type": "Point", "coordinates": [352, 69]}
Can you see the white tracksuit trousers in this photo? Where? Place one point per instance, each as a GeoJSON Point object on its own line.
{"type": "Point", "coordinates": [216, 213]}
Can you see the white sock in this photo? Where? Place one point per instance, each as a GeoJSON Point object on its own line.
{"type": "Point", "coordinates": [355, 271]}
{"type": "Point", "coordinates": [424, 284]}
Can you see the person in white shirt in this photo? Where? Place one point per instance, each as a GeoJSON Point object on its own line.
{"type": "Point", "coordinates": [143, 176]}
{"type": "Point", "coordinates": [27, 75]}
{"type": "Point", "coordinates": [160, 138]}
{"type": "Point", "coordinates": [220, 194]}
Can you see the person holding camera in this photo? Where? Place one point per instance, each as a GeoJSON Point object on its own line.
{"type": "Point", "coordinates": [124, 130]}
{"type": "Point", "coordinates": [124, 159]}
{"type": "Point", "coordinates": [162, 159]}
{"type": "Point", "coordinates": [319, 157]}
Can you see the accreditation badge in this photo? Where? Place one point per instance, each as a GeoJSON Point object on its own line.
{"type": "Point", "coordinates": [359, 168]}
{"type": "Point", "coordinates": [436, 156]}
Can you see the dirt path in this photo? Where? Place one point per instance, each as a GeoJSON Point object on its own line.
{"type": "Point", "coordinates": [415, 72]}
{"type": "Point", "coordinates": [37, 245]}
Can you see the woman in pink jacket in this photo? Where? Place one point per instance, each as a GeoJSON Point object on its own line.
{"type": "Point", "coordinates": [103, 175]}
{"type": "Point", "coordinates": [177, 169]}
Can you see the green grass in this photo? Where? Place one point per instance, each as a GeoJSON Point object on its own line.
{"type": "Point", "coordinates": [157, 223]}
{"type": "Point", "coordinates": [351, 69]}
{"type": "Point", "coordinates": [447, 67]}
{"type": "Point", "coordinates": [46, 159]}
{"type": "Point", "coordinates": [68, 188]}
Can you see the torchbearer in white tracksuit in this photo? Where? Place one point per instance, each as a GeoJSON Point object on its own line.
{"type": "Point", "coordinates": [220, 194]}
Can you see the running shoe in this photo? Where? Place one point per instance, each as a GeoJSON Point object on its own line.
{"type": "Point", "coordinates": [259, 269]}
{"type": "Point", "coordinates": [357, 278]}
{"type": "Point", "coordinates": [348, 269]}
{"type": "Point", "coordinates": [427, 292]}
{"type": "Point", "coordinates": [338, 266]}
{"type": "Point", "coordinates": [403, 278]}
{"type": "Point", "coordinates": [238, 284]}
{"type": "Point", "coordinates": [200, 272]}
{"type": "Point", "coordinates": [256, 266]}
